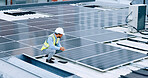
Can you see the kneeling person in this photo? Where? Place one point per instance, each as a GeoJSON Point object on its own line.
{"type": "Point", "coordinates": [52, 44]}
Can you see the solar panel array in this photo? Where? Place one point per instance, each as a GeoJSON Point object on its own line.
{"type": "Point", "coordinates": [102, 57]}
{"type": "Point", "coordinates": [83, 39]}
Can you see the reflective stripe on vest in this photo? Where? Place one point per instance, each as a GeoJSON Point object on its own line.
{"type": "Point", "coordinates": [46, 45]}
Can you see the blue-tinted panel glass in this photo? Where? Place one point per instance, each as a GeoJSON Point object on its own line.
{"type": "Point", "coordinates": [11, 46]}
{"type": "Point", "coordinates": [112, 59]}
{"type": "Point", "coordinates": [87, 51]}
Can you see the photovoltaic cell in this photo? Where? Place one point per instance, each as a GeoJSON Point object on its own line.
{"type": "Point", "coordinates": [34, 41]}
{"type": "Point", "coordinates": [31, 20]}
{"type": "Point", "coordinates": [22, 36]}
{"type": "Point", "coordinates": [108, 36]}
{"type": "Point", "coordinates": [66, 37]}
{"type": "Point", "coordinates": [72, 16]}
{"type": "Point", "coordinates": [6, 23]}
{"type": "Point", "coordinates": [4, 55]}
{"type": "Point", "coordinates": [44, 23]}
{"type": "Point", "coordinates": [56, 25]}
{"type": "Point", "coordinates": [17, 31]}
{"type": "Point", "coordinates": [112, 59]}
{"type": "Point", "coordinates": [12, 26]}
{"type": "Point", "coordinates": [77, 42]}
{"type": "Point", "coordinates": [11, 46]}
{"type": "Point", "coordinates": [2, 40]}
{"type": "Point", "coordinates": [87, 51]}
{"type": "Point", "coordinates": [89, 32]}
{"type": "Point", "coordinates": [27, 50]}
{"type": "Point", "coordinates": [66, 46]}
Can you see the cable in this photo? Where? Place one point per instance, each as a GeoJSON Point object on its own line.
{"type": "Point", "coordinates": [131, 3]}
{"type": "Point", "coordinates": [126, 19]}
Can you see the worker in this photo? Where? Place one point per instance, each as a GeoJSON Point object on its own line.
{"type": "Point", "coordinates": [52, 44]}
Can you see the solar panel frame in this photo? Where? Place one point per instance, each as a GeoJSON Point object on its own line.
{"type": "Point", "coordinates": [32, 41]}
{"type": "Point", "coordinates": [103, 37]}
{"type": "Point", "coordinates": [11, 46]}
{"type": "Point", "coordinates": [6, 23]}
{"type": "Point", "coordinates": [11, 27]}
{"type": "Point", "coordinates": [113, 66]}
{"type": "Point", "coordinates": [4, 40]}
{"type": "Point", "coordinates": [19, 30]}
{"type": "Point", "coordinates": [28, 35]}
{"type": "Point", "coordinates": [2, 55]}
{"type": "Point", "coordinates": [86, 51]}
{"type": "Point", "coordinates": [89, 32]}
{"type": "Point", "coordinates": [30, 51]}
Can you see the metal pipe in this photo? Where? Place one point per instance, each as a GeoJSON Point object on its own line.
{"type": "Point", "coordinates": [143, 1]}
{"type": "Point", "coordinates": [11, 2]}
{"type": "Point", "coordinates": [6, 2]}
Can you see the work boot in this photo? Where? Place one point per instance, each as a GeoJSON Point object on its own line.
{"type": "Point", "coordinates": [52, 59]}
{"type": "Point", "coordinates": [49, 61]}
{"type": "Point", "coordinates": [47, 56]}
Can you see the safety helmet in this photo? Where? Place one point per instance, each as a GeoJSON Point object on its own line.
{"type": "Point", "coordinates": [60, 30]}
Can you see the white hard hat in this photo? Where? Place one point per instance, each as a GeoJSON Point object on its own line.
{"type": "Point", "coordinates": [60, 30]}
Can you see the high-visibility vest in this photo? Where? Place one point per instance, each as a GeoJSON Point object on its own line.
{"type": "Point", "coordinates": [46, 45]}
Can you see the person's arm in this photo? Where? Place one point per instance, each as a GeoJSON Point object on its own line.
{"type": "Point", "coordinates": [59, 45]}
{"type": "Point", "coordinates": [50, 42]}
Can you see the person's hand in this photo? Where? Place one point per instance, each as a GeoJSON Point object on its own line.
{"type": "Point", "coordinates": [62, 48]}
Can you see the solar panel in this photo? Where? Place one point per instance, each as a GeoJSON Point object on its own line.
{"type": "Point", "coordinates": [67, 37]}
{"type": "Point", "coordinates": [4, 55]}
{"type": "Point", "coordinates": [108, 37]}
{"type": "Point", "coordinates": [31, 20]}
{"type": "Point", "coordinates": [67, 47]}
{"type": "Point", "coordinates": [77, 42]}
{"type": "Point", "coordinates": [44, 22]}
{"type": "Point", "coordinates": [27, 50]}
{"type": "Point", "coordinates": [70, 19]}
{"type": "Point", "coordinates": [87, 51]}
{"type": "Point", "coordinates": [69, 16]}
{"type": "Point", "coordinates": [6, 23]}
{"type": "Point", "coordinates": [89, 32]}
{"type": "Point", "coordinates": [12, 26]}
{"type": "Point", "coordinates": [16, 31]}
{"type": "Point", "coordinates": [54, 26]}
{"type": "Point", "coordinates": [22, 36]}
{"type": "Point", "coordinates": [11, 46]}
{"type": "Point", "coordinates": [2, 40]}
{"type": "Point", "coordinates": [34, 41]}
{"type": "Point", "coordinates": [112, 59]}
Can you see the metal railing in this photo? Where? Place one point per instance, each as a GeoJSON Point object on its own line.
{"type": "Point", "coordinates": [6, 2]}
